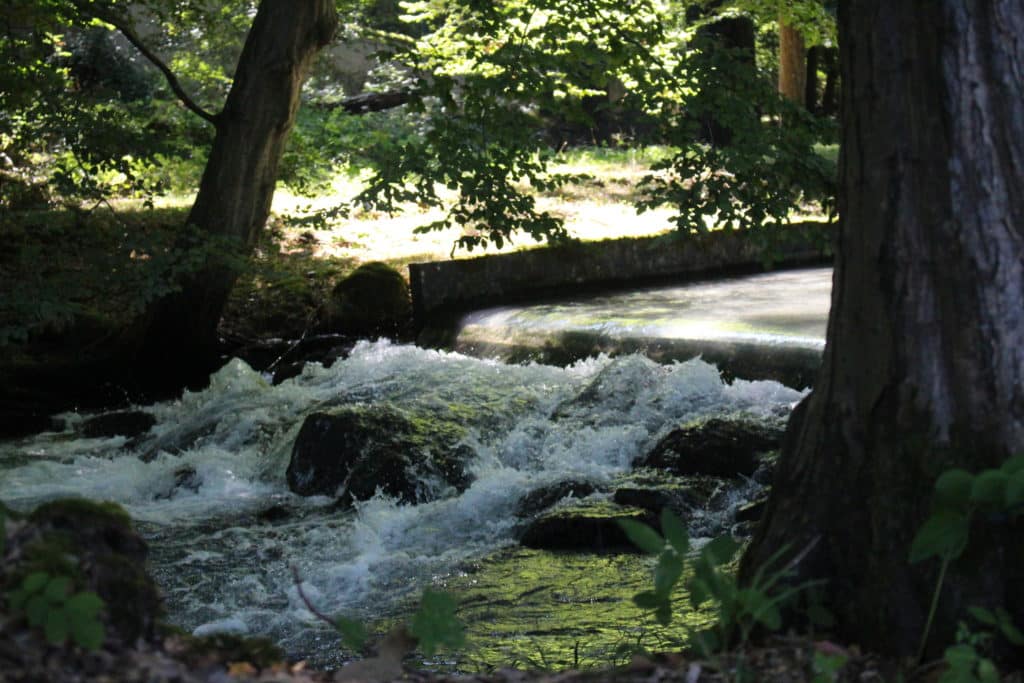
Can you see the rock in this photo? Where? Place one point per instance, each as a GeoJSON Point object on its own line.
{"type": "Point", "coordinates": [352, 451]}
{"type": "Point", "coordinates": [373, 300]}
{"type": "Point", "coordinates": [752, 511]}
{"type": "Point", "coordinates": [679, 499]}
{"type": "Point", "coordinates": [719, 448]}
{"type": "Point", "coordinates": [129, 423]}
{"type": "Point", "coordinates": [541, 499]}
{"type": "Point", "coordinates": [95, 546]}
{"type": "Point", "coordinates": [589, 527]}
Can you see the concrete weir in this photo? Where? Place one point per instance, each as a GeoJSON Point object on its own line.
{"type": "Point", "coordinates": [671, 298]}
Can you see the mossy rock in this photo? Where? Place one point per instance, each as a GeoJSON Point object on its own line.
{"type": "Point", "coordinates": [719, 447]}
{"type": "Point", "coordinates": [354, 450]}
{"type": "Point", "coordinates": [585, 527]}
{"type": "Point", "coordinates": [373, 300]}
{"type": "Point", "coordinates": [95, 545]}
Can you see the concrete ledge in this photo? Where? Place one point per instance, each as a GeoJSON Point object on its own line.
{"type": "Point", "coordinates": [445, 286]}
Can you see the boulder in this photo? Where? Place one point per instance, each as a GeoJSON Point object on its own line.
{"type": "Point", "coordinates": [719, 447]}
{"type": "Point", "coordinates": [541, 499]}
{"type": "Point", "coordinates": [95, 546]}
{"type": "Point", "coordinates": [352, 451]}
{"type": "Point", "coordinates": [586, 527]}
{"type": "Point", "coordinates": [373, 300]}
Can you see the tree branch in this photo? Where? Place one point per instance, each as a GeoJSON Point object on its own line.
{"type": "Point", "coordinates": [98, 12]}
{"type": "Point", "coordinates": [374, 101]}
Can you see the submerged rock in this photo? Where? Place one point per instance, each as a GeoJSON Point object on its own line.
{"type": "Point", "coordinates": [588, 527]}
{"type": "Point", "coordinates": [129, 423]}
{"type": "Point", "coordinates": [719, 447]}
{"type": "Point", "coordinates": [352, 451]}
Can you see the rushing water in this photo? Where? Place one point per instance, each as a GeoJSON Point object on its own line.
{"type": "Point", "coordinates": [216, 459]}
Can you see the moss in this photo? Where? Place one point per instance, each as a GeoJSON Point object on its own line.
{"type": "Point", "coordinates": [83, 511]}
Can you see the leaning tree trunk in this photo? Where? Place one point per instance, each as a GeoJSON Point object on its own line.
{"type": "Point", "coordinates": [924, 360]}
{"type": "Point", "coordinates": [237, 186]}
{"type": "Point", "coordinates": [792, 64]}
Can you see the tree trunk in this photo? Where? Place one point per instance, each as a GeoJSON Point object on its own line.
{"type": "Point", "coordinates": [792, 69]}
{"type": "Point", "coordinates": [924, 360]}
{"type": "Point", "coordinates": [237, 186]}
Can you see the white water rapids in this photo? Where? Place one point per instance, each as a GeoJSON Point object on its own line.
{"type": "Point", "coordinates": [220, 566]}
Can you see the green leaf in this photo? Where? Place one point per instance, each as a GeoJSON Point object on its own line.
{"type": "Point", "coordinates": [353, 633]}
{"type": "Point", "coordinates": [944, 534]}
{"type": "Point", "coordinates": [1008, 628]}
{"type": "Point", "coordinates": [1014, 464]}
{"type": "Point", "coordinates": [720, 550]}
{"type": "Point", "coordinates": [663, 613]}
{"type": "Point", "coordinates": [36, 609]}
{"type": "Point", "coordinates": [675, 531]}
{"type": "Point", "coordinates": [435, 623]}
{"type": "Point", "coordinates": [989, 488]}
{"type": "Point", "coordinates": [1015, 490]}
{"type": "Point", "coordinates": [642, 536]}
{"type": "Point", "coordinates": [84, 605]}
{"type": "Point", "coordinates": [953, 488]}
{"type": "Point", "coordinates": [56, 626]}
{"type": "Point", "coordinates": [667, 572]}
{"type": "Point", "coordinates": [820, 616]}
{"type": "Point", "coordinates": [87, 633]}
{"type": "Point", "coordinates": [57, 589]}
{"type": "Point", "coordinates": [987, 671]}
{"type": "Point", "coordinates": [35, 582]}
{"type": "Point", "coordinates": [983, 615]}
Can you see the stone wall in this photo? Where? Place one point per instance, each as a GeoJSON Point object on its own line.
{"type": "Point", "coordinates": [446, 286]}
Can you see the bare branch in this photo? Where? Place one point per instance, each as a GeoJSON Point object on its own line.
{"type": "Point", "coordinates": [375, 101]}
{"type": "Point", "coordinates": [99, 12]}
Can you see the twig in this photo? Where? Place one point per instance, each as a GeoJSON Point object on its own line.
{"type": "Point", "coordinates": [309, 605]}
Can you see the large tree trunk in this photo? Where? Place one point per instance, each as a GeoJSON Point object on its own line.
{"type": "Point", "coordinates": [924, 360]}
{"type": "Point", "coordinates": [237, 187]}
{"type": "Point", "coordinates": [792, 63]}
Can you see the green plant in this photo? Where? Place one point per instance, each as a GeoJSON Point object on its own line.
{"type": "Point", "coordinates": [825, 666]}
{"type": "Point", "coordinates": [435, 623]}
{"type": "Point", "coordinates": [740, 608]}
{"type": "Point", "coordinates": [48, 602]}
{"type": "Point", "coordinates": [959, 495]}
{"type": "Point", "coordinates": [965, 662]}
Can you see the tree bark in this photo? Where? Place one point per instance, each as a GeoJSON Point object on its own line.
{"type": "Point", "coordinates": [792, 66]}
{"type": "Point", "coordinates": [237, 186]}
{"type": "Point", "coordinates": [924, 359]}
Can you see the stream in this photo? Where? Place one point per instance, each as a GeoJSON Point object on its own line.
{"type": "Point", "coordinates": [206, 486]}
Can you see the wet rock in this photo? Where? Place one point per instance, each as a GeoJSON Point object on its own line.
{"type": "Point", "coordinates": [95, 546]}
{"type": "Point", "coordinates": [129, 423]}
{"type": "Point", "coordinates": [718, 447]}
{"type": "Point", "coordinates": [185, 478]}
{"type": "Point", "coordinates": [352, 451]}
{"type": "Point", "coordinates": [680, 499]}
{"type": "Point", "coordinates": [373, 300]}
{"type": "Point", "coordinates": [588, 527]}
{"type": "Point", "coordinates": [752, 511]}
{"type": "Point", "coordinates": [541, 499]}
